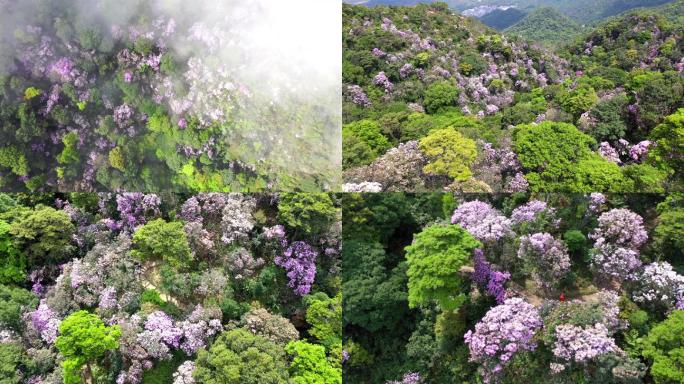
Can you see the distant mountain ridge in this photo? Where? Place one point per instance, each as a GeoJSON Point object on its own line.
{"type": "Point", "coordinates": [583, 11]}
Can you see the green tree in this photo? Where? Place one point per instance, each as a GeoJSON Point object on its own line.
{"type": "Point", "coordinates": [664, 346]}
{"type": "Point", "coordinates": [43, 234]}
{"type": "Point", "coordinates": [160, 240]}
{"type": "Point", "coordinates": [579, 100]}
{"type": "Point", "coordinates": [69, 154]}
{"type": "Point", "coordinates": [669, 143]}
{"type": "Point", "coordinates": [13, 361]}
{"type": "Point", "coordinates": [307, 213]}
{"type": "Point", "coordinates": [116, 159]}
{"type": "Point", "coordinates": [669, 234]}
{"type": "Point", "coordinates": [439, 95]}
{"type": "Point", "coordinates": [549, 153]}
{"type": "Point", "coordinates": [597, 174]}
{"type": "Point", "coordinates": [309, 364]}
{"type": "Point", "coordinates": [449, 154]}
{"type": "Point", "coordinates": [83, 341]}
{"type": "Point", "coordinates": [434, 259]}
{"type": "Point", "coordinates": [610, 122]}
{"type": "Point", "coordinates": [14, 159]}
{"type": "Point", "coordinates": [240, 357]}
{"type": "Point", "coordinates": [12, 263]}
{"type": "Point", "coordinates": [364, 133]}
{"type": "Point", "coordinates": [14, 301]}
{"type": "Point", "coordinates": [324, 314]}
{"type": "Point", "coordinates": [374, 295]}
{"type": "Point", "coordinates": [356, 152]}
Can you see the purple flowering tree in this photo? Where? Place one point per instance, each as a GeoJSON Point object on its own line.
{"type": "Point", "coordinates": [576, 344]}
{"type": "Point", "coordinates": [505, 330]}
{"type": "Point", "coordinates": [482, 221]}
{"type": "Point", "coordinates": [546, 258]}
{"type": "Point", "coordinates": [617, 239]}
{"type": "Point", "coordinates": [659, 287]}
{"type": "Point", "coordinates": [621, 227]}
{"type": "Point", "coordinates": [488, 280]}
{"type": "Point", "coordinates": [299, 262]}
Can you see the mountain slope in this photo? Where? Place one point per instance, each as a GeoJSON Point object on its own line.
{"type": "Point", "coordinates": [501, 19]}
{"type": "Point", "coordinates": [547, 26]}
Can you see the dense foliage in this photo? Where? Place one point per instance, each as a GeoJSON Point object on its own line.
{"type": "Point", "coordinates": [601, 114]}
{"type": "Point", "coordinates": [149, 96]}
{"type": "Point", "coordinates": [544, 288]}
{"type": "Point", "coordinates": [137, 288]}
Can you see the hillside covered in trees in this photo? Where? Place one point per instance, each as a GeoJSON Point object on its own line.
{"type": "Point", "coordinates": [545, 25]}
{"type": "Point", "coordinates": [583, 11]}
{"type": "Point", "coordinates": [136, 288]}
{"type": "Point", "coordinates": [515, 288]}
{"type": "Point", "coordinates": [437, 101]}
{"type": "Point", "coordinates": [145, 95]}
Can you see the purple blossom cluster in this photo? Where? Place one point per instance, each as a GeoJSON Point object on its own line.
{"type": "Point", "coordinates": [482, 221]}
{"type": "Point", "coordinates": [358, 96]}
{"type": "Point", "coordinates": [45, 321]}
{"type": "Point", "coordinates": [609, 153]}
{"type": "Point", "coordinates": [582, 344]}
{"type": "Point", "coordinates": [546, 256]}
{"type": "Point", "coordinates": [382, 80]}
{"type": "Point", "coordinates": [618, 237]}
{"type": "Point", "coordinates": [409, 378]}
{"type": "Point", "coordinates": [493, 282]}
{"type": "Point", "coordinates": [406, 70]}
{"type": "Point", "coordinates": [596, 201]}
{"type": "Point", "coordinates": [202, 324]}
{"type": "Point", "coordinates": [299, 262]}
{"type": "Point", "coordinates": [639, 150]}
{"type": "Point", "coordinates": [237, 220]}
{"type": "Point", "coordinates": [614, 262]}
{"type": "Point", "coordinates": [517, 183]}
{"type": "Point", "coordinates": [504, 330]}
{"type": "Point", "coordinates": [531, 211]}
{"type": "Point", "coordinates": [659, 286]}
{"type": "Point", "coordinates": [134, 209]}
{"type": "Point", "coordinates": [183, 374]}
{"type": "Point", "coordinates": [621, 227]}
{"type": "Point", "coordinates": [275, 232]}
{"type": "Point", "coordinates": [162, 325]}
{"type": "Point", "coordinates": [64, 69]}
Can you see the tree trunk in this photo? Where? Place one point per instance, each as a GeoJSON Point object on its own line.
{"type": "Point", "coordinates": [88, 374]}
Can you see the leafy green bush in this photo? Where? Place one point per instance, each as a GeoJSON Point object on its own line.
{"type": "Point", "coordinates": [440, 95]}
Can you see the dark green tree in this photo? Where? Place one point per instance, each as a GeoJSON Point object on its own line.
{"type": "Point", "coordinates": [14, 302]}
{"type": "Point", "coordinates": [439, 95]}
{"type": "Point", "coordinates": [43, 234]}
